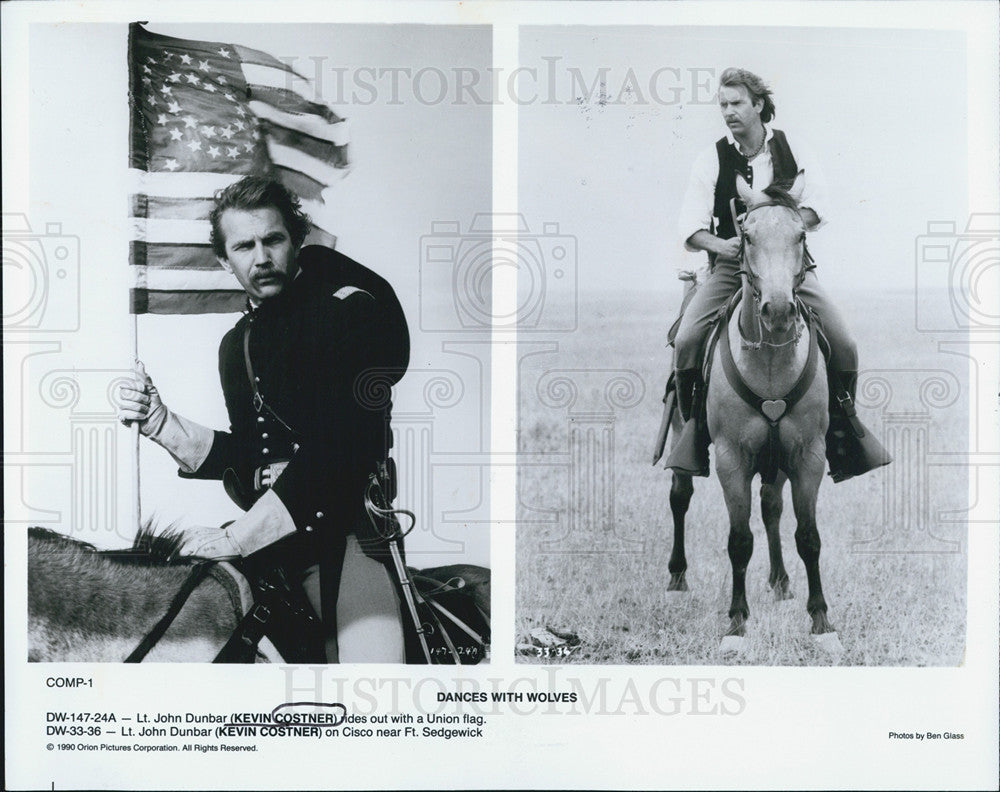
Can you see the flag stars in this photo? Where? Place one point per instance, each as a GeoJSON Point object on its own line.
{"type": "Point", "coordinates": [175, 77]}
{"type": "Point", "coordinates": [194, 145]}
{"type": "Point", "coordinates": [248, 147]}
{"type": "Point", "coordinates": [232, 152]}
{"type": "Point", "coordinates": [146, 69]}
{"type": "Point", "coordinates": [229, 96]}
{"type": "Point", "coordinates": [226, 132]}
{"type": "Point", "coordinates": [174, 107]}
{"type": "Point", "coordinates": [171, 165]}
{"type": "Point", "coordinates": [186, 59]}
{"type": "Point", "coordinates": [224, 52]}
{"type": "Point", "coordinates": [150, 59]}
{"type": "Point", "coordinates": [239, 125]}
{"type": "Point", "coordinates": [162, 119]}
{"type": "Point", "coordinates": [166, 90]}
{"type": "Point", "coordinates": [209, 87]}
{"type": "Point", "coordinates": [190, 122]}
{"type": "Point", "coordinates": [204, 66]}
{"type": "Point", "coordinates": [240, 111]}
{"type": "Point", "coordinates": [175, 134]}
{"type": "Point", "coordinates": [147, 80]}
{"type": "Point", "coordinates": [222, 79]}
{"type": "Point", "coordinates": [208, 131]}
{"type": "Point", "coordinates": [193, 79]}
{"type": "Point", "coordinates": [151, 99]}
{"type": "Point", "coordinates": [213, 151]}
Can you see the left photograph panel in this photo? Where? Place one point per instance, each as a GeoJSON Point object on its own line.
{"type": "Point", "coordinates": [247, 419]}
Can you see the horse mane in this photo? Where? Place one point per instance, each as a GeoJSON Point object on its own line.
{"type": "Point", "coordinates": [153, 545]}
{"type": "Point", "coordinates": [778, 193]}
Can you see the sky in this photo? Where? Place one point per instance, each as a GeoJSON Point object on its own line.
{"type": "Point", "coordinates": [883, 111]}
{"type": "Point", "coordinates": [417, 161]}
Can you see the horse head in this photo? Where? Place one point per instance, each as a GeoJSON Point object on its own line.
{"type": "Point", "coordinates": [773, 250]}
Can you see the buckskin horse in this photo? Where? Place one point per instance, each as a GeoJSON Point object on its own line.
{"type": "Point", "coordinates": [766, 411]}
{"type": "Point", "coordinates": [90, 605]}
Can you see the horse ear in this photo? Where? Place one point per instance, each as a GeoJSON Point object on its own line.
{"type": "Point", "coordinates": [748, 195]}
{"type": "Point", "coordinates": [798, 186]}
{"type": "Point", "coordinates": [743, 190]}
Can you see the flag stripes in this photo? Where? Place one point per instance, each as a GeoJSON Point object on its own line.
{"type": "Point", "coordinates": [203, 114]}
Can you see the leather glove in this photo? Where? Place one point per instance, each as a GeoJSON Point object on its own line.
{"type": "Point", "coordinates": [141, 403]}
{"type": "Point", "coordinates": [187, 442]}
{"type": "Point", "coordinates": [208, 542]}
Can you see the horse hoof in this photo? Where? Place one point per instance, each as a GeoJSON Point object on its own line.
{"type": "Point", "coordinates": [829, 644]}
{"type": "Point", "coordinates": [783, 593]}
{"type": "Point", "coordinates": [677, 583]}
{"type": "Point", "coordinates": [733, 645]}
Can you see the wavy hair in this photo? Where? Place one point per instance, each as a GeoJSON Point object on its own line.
{"type": "Point", "coordinates": [258, 192]}
{"type": "Point", "coordinates": [756, 87]}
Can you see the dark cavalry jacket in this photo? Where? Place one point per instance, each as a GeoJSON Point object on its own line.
{"type": "Point", "coordinates": [325, 353]}
{"type": "Point", "coordinates": [731, 162]}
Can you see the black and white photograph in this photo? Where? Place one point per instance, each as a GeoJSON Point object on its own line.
{"type": "Point", "coordinates": [247, 192]}
{"type": "Point", "coordinates": [501, 395]}
{"type": "Point", "coordinates": [770, 480]}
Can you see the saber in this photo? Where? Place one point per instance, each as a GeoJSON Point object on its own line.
{"type": "Point", "coordinates": [389, 517]}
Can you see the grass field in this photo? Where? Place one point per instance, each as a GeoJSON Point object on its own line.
{"type": "Point", "coordinates": [594, 525]}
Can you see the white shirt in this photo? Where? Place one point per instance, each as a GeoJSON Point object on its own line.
{"type": "Point", "coordinates": [699, 200]}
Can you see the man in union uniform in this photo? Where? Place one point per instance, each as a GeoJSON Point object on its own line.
{"type": "Point", "coordinates": [762, 155]}
{"type": "Point", "coordinates": [305, 373]}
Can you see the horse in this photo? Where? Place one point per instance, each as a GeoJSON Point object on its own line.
{"type": "Point", "coordinates": [90, 605]}
{"type": "Point", "coordinates": [767, 412]}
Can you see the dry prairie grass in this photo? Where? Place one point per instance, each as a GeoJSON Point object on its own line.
{"type": "Point", "coordinates": [594, 561]}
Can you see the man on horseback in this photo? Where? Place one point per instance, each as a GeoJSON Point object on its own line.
{"type": "Point", "coordinates": [306, 374]}
{"type": "Point", "coordinates": [762, 155]}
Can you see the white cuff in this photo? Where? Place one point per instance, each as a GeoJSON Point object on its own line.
{"type": "Point", "coordinates": [187, 442]}
{"type": "Point", "coordinates": [266, 522]}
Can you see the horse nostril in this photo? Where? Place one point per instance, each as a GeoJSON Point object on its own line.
{"type": "Point", "coordinates": [765, 310]}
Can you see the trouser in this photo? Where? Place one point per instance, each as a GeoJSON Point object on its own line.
{"type": "Point", "coordinates": [720, 286]}
{"type": "Point", "coordinates": [369, 620]}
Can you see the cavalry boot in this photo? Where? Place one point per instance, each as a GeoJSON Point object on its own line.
{"type": "Point", "coordinates": [690, 454]}
{"type": "Point", "coordinates": [851, 449]}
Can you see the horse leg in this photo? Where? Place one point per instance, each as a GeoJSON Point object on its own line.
{"type": "Point", "coordinates": [681, 490]}
{"type": "Point", "coordinates": [770, 508]}
{"type": "Point", "coordinates": [805, 487]}
{"type": "Point", "coordinates": [736, 489]}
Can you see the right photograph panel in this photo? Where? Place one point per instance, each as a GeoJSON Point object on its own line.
{"type": "Point", "coordinates": [743, 410]}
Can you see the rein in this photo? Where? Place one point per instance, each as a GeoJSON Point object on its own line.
{"type": "Point", "coordinates": [193, 580]}
{"type": "Point", "coordinates": [808, 263]}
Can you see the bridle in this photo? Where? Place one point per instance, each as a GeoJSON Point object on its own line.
{"type": "Point", "coordinates": [806, 265]}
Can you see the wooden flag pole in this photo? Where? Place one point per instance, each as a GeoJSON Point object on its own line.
{"type": "Point", "coordinates": [136, 481]}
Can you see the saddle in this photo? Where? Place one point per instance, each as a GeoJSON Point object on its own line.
{"type": "Point", "coordinates": [719, 332]}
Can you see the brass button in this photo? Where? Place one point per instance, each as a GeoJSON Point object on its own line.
{"type": "Point", "coordinates": [319, 515]}
{"type": "Point", "coordinates": [260, 419]}
{"type": "Point", "coordinates": [309, 528]}
{"type": "Point", "coordinates": [265, 450]}
{"type": "Point", "coordinates": [295, 446]}
{"type": "Point", "coordinates": [264, 436]}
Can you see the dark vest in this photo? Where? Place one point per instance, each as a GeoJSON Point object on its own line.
{"type": "Point", "coordinates": [731, 162]}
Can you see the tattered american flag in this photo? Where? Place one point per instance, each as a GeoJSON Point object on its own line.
{"type": "Point", "coordinates": [203, 115]}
